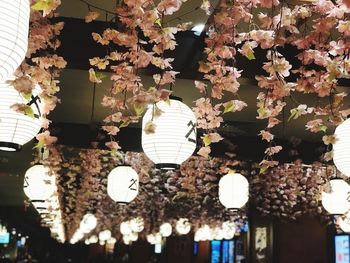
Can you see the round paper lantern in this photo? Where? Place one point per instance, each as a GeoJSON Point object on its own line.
{"type": "Point", "coordinates": [133, 236]}
{"type": "Point", "coordinates": [38, 185]}
{"type": "Point", "coordinates": [125, 228]}
{"type": "Point", "coordinates": [233, 190]}
{"type": "Point", "coordinates": [104, 235]}
{"type": "Point", "coordinates": [14, 27]}
{"type": "Point", "coordinates": [16, 129]}
{"type": "Point", "coordinates": [123, 184]}
{"type": "Point", "coordinates": [166, 229]}
{"type": "Point", "coordinates": [336, 202]}
{"type": "Point", "coordinates": [229, 229]}
{"type": "Point", "coordinates": [154, 238]}
{"type": "Point", "coordinates": [344, 223]}
{"type": "Point", "coordinates": [183, 226]}
{"type": "Point", "coordinates": [88, 223]}
{"type": "Point", "coordinates": [137, 224]}
{"type": "Point", "coordinates": [174, 139]}
{"type": "Point", "coordinates": [93, 239]}
{"type": "Point", "coordinates": [341, 148]}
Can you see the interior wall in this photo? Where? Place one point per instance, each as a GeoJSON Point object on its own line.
{"type": "Point", "coordinates": [304, 241]}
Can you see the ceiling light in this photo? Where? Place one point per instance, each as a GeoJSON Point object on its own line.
{"type": "Point", "coordinates": [197, 29]}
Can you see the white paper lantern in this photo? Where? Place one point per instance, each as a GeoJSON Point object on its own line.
{"type": "Point", "coordinates": [16, 129]}
{"type": "Point", "coordinates": [166, 229]}
{"type": "Point", "coordinates": [154, 238]}
{"type": "Point", "coordinates": [344, 223]}
{"type": "Point", "coordinates": [137, 224]}
{"type": "Point", "coordinates": [336, 202]}
{"type": "Point", "coordinates": [104, 235]}
{"type": "Point", "coordinates": [123, 184]}
{"type": "Point", "coordinates": [174, 139]}
{"type": "Point", "coordinates": [341, 148]}
{"type": "Point", "coordinates": [133, 236]}
{"type": "Point", "coordinates": [88, 223]}
{"type": "Point", "coordinates": [233, 190]}
{"type": "Point", "coordinates": [38, 185]}
{"type": "Point", "coordinates": [183, 226]}
{"type": "Point", "coordinates": [14, 27]}
{"type": "Point", "coordinates": [125, 228]}
{"type": "Point", "coordinates": [111, 241]}
{"type": "Point", "coordinates": [93, 239]}
{"type": "Point", "coordinates": [229, 229]}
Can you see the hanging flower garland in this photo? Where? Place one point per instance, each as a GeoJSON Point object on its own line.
{"type": "Point", "coordinates": [41, 65]}
{"type": "Point", "coordinates": [140, 40]}
{"type": "Point", "coordinates": [190, 192]}
{"type": "Point", "coordinates": [317, 30]}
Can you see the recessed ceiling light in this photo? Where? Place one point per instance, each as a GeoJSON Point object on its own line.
{"type": "Point", "coordinates": [197, 29]}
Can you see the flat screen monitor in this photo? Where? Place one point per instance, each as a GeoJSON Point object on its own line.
{"type": "Point", "coordinates": [215, 246]}
{"type": "Point", "coordinates": [158, 248]}
{"type": "Point", "coordinates": [342, 249]}
{"type": "Point", "coordinates": [5, 238]}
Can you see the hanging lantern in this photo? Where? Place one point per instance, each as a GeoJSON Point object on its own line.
{"type": "Point", "coordinates": [336, 202]}
{"type": "Point", "coordinates": [344, 223]}
{"type": "Point", "coordinates": [183, 226]}
{"type": "Point", "coordinates": [125, 228]}
{"type": "Point", "coordinates": [14, 27]}
{"type": "Point", "coordinates": [38, 185]}
{"type": "Point", "coordinates": [104, 235]}
{"type": "Point", "coordinates": [233, 190]}
{"type": "Point", "coordinates": [123, 184]}
{"type": "Point", "coordinates": [93, 239]}
{"type": "Point", "coordinates": [174, 139]}
{"type": "Point", "coordinates": [88, 223]}
{"type": "Point", "coordinates": [341, 148]}
{"type": "Point", "coordinates": [16, 129]}
{"type": "Point", "coordinates": [166, 229]}
{"type": "Point", "coordinates": [154, 238]}
{"type": "Point", "coordinates": [229, 229]}
{"type": "Point", "coordinates": [137, 224]}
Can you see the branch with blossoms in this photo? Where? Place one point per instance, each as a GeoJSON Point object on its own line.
{"type": "Point", "coordinates": [220, 71]}
{"type": "Point", "coordinates": [140, 40]}
{"type": "Point", "coordinates": [41, 66]}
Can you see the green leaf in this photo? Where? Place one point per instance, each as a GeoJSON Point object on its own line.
{"type": "Point", "coordinates": [250, 55]}
{"type": "Point", "coordinates": [323, 128]}
{"type": "Point", "coordinates": [263, 169]}
{"type": "Point", "coordinates": [229, 107]}
{"type": "Point", "coordinates": [26, 96]}
{"type": "Point", "coordinates": [206, 140]}
{"type": "Point", "coordinates": [124, 124]}
{"type": "Point", "coordinates": [29, 112]}
{"type": "Point", "coordinates": [139, 108]}
{"type": "Point", "coordinates": [101, 75]}
{"type": "Point", "coordinates": [42, 5]}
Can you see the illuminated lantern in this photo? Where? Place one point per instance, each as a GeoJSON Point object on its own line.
{"type": "Point", "coordinates": [344, 223]}
{"type": "Point", "coordinates": [133, 236]}
{"type": "Point", "coordinates": [341, 148]}
{"type": "Point", "coordinates": [233, 190]}
{"type": "Point", "coordinates": [137, 224]}
{"type": "Point", "coordinates": [14, 27]}
{"type": "Point", "coordinates": [336, 202]}
{"type": "Point", "coordinates": [229, 229]}
{"type": "Point", "coordinates": [174, 139]}
{"type": "Point", "coordinates": [154, 238]}
{"type": "Point", "coordinates": [112, 241]}
{"type": "Point", "coordinates": [38, 184]}
{"type": "Point", "coordinates": [166, 229]}
{"type": "Point", "coordinates": [125, 228]}
{"type": "Point", "coordinates": [93, 239]}
{"type": "Point", "coordinates": [104, 235]}
{"type": "Point", "coordinates": [16, 129]}
{"type": "Point", "coordinates": [123, 184]}
{"type": "Point", "coordinates": [183, 226]}
{"type": "Point", "coordinates": [88, 223]}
